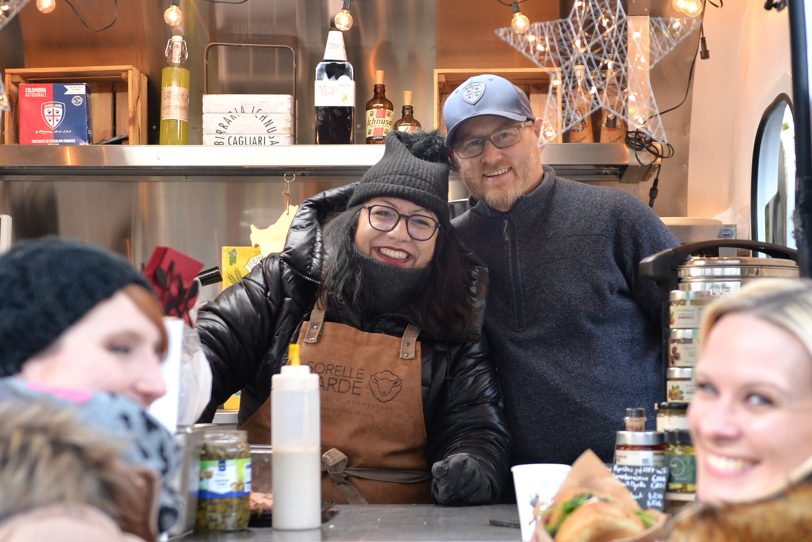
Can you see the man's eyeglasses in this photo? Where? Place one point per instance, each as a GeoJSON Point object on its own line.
{"type": "Point", "coordinates": [502, 139]}
{"type": "Point", "coordinates": [385, 218]}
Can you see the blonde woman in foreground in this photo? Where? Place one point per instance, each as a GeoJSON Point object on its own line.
{"type": "Point", "coordinates": [751, 417]}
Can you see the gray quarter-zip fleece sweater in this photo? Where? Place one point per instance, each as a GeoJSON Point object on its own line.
{"type": "Point", "coordinates": [575, 334]}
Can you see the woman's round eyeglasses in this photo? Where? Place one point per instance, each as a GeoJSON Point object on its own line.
{"type": "Point", "coordinates": [385, 218]}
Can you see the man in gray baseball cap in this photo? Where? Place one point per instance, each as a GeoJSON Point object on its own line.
{"type": "Point", "coordinates": [575, 334]}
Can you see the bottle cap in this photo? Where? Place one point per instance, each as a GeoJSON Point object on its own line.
{"type": "Point", "coordinates": [379, 77]}
{"type": "Point", "coordinates": [334, 50]}
{"type": "Point", "coordinates": [293, 354]}
{"type": "Point", "coordinates": [407, 97]}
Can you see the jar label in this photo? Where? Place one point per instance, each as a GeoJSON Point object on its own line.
{"type": "Point", "coordinates": [680, 390]}
{"type": "Point", "coordinates": [225, 478]}
{"type": "Point", "coordinates": [640, 458]}
{"type": "Point", "coordinates": [338, 93]}
{"type": "Point", "coordinates": [672, 423]}
{"type": "Point", "coordinates": [683, 316]}
{"type": "Point", "coordinates": [681, 472]}
{"type": "Point", "coordinates": [683, 351]}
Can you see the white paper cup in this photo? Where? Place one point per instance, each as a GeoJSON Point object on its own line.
{"type": "Point", "coordinates": [536, 485]}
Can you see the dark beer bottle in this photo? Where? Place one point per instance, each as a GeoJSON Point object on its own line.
{"type": "Point", "coordinates": [334, 93]}
{"type": "Point", "coordinates": [407, 122]}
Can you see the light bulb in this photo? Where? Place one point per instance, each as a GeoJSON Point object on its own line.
{"type": "Point", "coordinates": [691, 8]}
{"type": "Point", "coordinates": [46, 6]}
{"type": "Point", "coordinates": [520, 23]}
{"type": "Point", "coordinates": [173, 16]}
{"type": "Point", "coordinates": [343, 20]}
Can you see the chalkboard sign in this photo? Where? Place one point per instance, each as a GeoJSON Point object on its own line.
{"type": "Point", "coordinates": [646, 484]}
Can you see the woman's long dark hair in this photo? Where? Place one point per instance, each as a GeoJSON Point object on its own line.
{"type": "Point", "coordinates": [443, 308]}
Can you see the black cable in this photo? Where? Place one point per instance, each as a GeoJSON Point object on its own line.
{"type": "Point", "coordinates": [510, 4]}
{"type": "Point", "coordinates": [84, 23]}
{"type": "Point", "coordinates": [652, 193]}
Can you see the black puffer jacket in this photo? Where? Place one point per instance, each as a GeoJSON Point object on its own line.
{"type": "Point", "coordinates": [246, 330]}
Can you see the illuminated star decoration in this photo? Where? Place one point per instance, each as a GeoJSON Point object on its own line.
{"type": "Point", "coordinates": [596, 35]}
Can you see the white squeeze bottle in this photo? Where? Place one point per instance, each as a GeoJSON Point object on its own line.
{"type": "Point", "coordinates": [296, 445]}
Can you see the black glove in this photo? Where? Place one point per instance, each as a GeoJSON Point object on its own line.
{"type": "Point", "coordinates": [458, 480]}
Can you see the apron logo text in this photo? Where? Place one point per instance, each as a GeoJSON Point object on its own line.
{"type": "Point", "coordinates": [338, 378]}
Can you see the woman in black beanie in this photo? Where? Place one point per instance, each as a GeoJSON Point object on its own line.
{"type": "Point", "coordinates": [388, 308]}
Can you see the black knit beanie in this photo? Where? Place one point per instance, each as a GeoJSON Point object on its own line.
{"type": "Point", "coordinates": [46, 286]}
{"type": "Point", "coordinates": [414, 167]}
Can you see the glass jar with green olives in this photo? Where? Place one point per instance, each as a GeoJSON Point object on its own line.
{"type": "Point", "coordinates": [223, 502]}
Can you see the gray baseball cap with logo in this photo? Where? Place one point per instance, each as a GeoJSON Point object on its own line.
{"type": "Point", "coordinates": [485, 94]}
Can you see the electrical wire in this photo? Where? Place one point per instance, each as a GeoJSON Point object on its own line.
{"type": "Point", "coordinates": [84, 23]}
{"type": "Point", "coordinates": [510, 4]}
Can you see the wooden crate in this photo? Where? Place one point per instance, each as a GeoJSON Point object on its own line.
{"type": "Point", "coordinates": [534, 81]}
{"type": "Point", "coordinates": [118, 99]}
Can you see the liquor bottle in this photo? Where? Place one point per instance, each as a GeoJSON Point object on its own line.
{"type": "Point", "coordinates": [380, 112]}
{"type": "Point", "coordinates": [407, 122]}
{"type": "Point", "coordinates": [334, 93]}
{"type": "Point", "coordinates": [175, 94]}
{"type": "Point", "coordinates": [581, 132]}
{"type": "Point", "coordinates": [613, 128]}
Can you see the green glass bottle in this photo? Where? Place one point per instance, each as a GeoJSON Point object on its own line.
{"type": "Point", "coordinates": [175, 94]}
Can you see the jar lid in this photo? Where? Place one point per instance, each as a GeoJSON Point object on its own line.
{"type": "Point", "coordinates": [636, 412]}
{"type": "Point", "coordinates": [683, 295]}
{"type": "Point", "coordinates": [225, 435]}
{"type": "Point", "coordinates": [685, 333]}
{"type": "Point", "coordinates": [679, 373]}
{"type": "Point", "coordinates": [682, 436]}
{"type": "Point", "coordinates": [744, 263]}
{"type": "Point", "coordinates": [672, 405]}
{"type": "Point", "coordinates": [640, 438]}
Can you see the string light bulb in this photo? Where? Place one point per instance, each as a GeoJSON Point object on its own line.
{"type": "Point", "coordinates": [343, 19]}
{"type": "Point", "coordinates": [520, 23]}
{"type": "Point", "coordinates": [691, 8]}
{"type": "Point", "coordinates": [46, 6]}
{"type": "Point", "coordinates": [173, 16]}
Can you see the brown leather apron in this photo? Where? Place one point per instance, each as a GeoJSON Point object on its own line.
{"type": "Point", "coordinates": [373, 433]}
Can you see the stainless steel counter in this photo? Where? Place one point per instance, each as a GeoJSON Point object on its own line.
{"type": "Point", "coordinates": [392, 522]}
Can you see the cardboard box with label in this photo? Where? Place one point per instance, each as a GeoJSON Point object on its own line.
{"type": "Point", "coordinates": [54, 114]}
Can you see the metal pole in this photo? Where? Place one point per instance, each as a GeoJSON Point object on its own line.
{"type": "Point", "coordinates": [800, 29]}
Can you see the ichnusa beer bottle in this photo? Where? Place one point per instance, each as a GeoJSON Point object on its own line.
{"type": "Point", "coordinates": [380, 112]}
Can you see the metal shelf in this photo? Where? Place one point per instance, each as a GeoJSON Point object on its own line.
{"type": "Point", "coordinates": [586, 162]}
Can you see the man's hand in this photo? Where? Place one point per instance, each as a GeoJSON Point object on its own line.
{"type": "Point", "coordinates": [458, 480]}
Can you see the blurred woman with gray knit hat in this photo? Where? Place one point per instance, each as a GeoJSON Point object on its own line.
{"type": "Point", "coordinates": [392, 306]}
